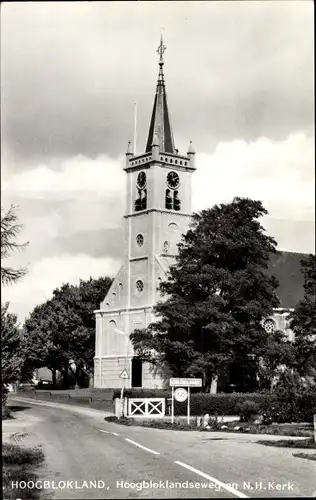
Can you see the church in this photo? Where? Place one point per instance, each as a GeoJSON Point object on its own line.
{"type": "Point", "coordinates": [158, 212]}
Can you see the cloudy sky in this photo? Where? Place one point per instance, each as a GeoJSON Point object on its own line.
{"type": "Point", "coordinates": [240, 85]}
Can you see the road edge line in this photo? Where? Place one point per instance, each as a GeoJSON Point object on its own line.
{"type": "Point", "coordinates": [143, 447]}
{"type": "Point", "coordinates": [213, 480]}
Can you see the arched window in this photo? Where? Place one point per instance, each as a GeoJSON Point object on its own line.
{"type": "Point", "coordinates": [176, 201]}
{"type": "Point", "coordinates": [144, 200]}
{"type": "Point", "coordinates": [113, 298]}
{"type": "Point", "coordinates": [168, 201]}
{"type": "Point", "coordinates": [173, 237]}
{"type": "Point", "coordinates": [138, 201]}
{"type": "Point", "coordinates": [112, 326]}
{"type": "Point", "coordinates": [120, 290]}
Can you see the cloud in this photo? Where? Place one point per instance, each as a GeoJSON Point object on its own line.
{"type": "Point", "coordinates": [101, 175]}
{"type": "Point", "coordinates": [50, 273]}
{"type": "Point", "coordinates": [72, 71]}
{"type": "Point", "coordinates": [279, 173]}
{"type": "Point", "coordinates": [73, 212]}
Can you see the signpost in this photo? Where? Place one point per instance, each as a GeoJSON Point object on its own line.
{"type": "Point", "coordinates": [124, 375]}
{"type": "Point", "coordinates": [182, 394]}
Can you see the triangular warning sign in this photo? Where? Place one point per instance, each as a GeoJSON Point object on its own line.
{"type": "Point", "coordinates": [124, 374]}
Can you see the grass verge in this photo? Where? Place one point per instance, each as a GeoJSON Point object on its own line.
{"type": "Point", "coordinates": [249, 428]}
{"type": "Point", "coordinates": [18, 466]}
{"type": "Point", "coordinates": [308, 456]}
{"type": "Point", "coordinates": [290, 443]}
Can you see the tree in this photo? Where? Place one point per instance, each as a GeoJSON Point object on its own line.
{"type": "Point", "coordinates": [303, 322]}
{"type": "Point", "coordinates": [215, 296]}
{"type": "Point", "coordinates": [10, 332]}
{"type": "Point", "coordinates": [277, 355]}
{"type": "Point", "coordinates": [61, 332]}
{"type": "Point", "coordinates": [10, 349]}
{"type": "Point", "coordinates": [9, 231]}
{"type": "Point", "coordinates": [40, 340]}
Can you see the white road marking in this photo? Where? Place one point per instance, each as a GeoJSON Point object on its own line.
{"type": "Point", "coordinates": [143, 447]}
{"type": "Point", "coordinates": [108, 432]}
{"type": "Point", "coordinates": [213, 480]}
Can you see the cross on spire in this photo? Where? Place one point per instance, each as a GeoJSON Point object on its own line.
{"type": "Point", "coordinates": [161, 49]}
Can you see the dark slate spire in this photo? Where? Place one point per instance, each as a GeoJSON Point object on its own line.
{"type": "Point", "coordinates": [160, 123]}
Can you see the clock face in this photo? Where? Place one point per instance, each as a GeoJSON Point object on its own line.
{"type": "Point", "coordinates": [141, 180]}
{"type": "Point", "coordinates": [173, 180]}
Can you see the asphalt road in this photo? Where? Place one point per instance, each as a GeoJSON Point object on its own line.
{"type": "Point", "coordinates": [87, 457]}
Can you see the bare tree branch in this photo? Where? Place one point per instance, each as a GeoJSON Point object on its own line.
{"type": "Point", "coordinates": [9, 231]}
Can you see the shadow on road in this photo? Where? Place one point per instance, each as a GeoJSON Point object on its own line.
{"type": "Point", "coordinates": [14, 408]}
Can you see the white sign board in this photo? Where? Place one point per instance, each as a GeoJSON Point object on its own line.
{"type": "Point", "coordinates": [185, 382]}
{"type": "Point", "coordinates": [181, 395]}
{"type": "Point", "coordinates": [124, 374]}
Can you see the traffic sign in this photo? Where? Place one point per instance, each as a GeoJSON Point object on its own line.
{"type": "Point", "coordinates": [124, 374]}
{"type": "Point", "coordinates": [187, 382]}
{"type": "Point", "coordinates": [181, 395]}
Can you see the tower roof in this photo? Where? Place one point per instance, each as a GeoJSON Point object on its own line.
{"type": "Point", "coordinates": [160, 123]}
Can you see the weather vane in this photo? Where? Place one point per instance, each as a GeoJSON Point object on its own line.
{"type": "Point", "coordinates": [161, 49]}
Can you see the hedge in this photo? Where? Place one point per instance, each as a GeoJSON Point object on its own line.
{"type": "Point", "coordinates": [201, 403]}
{"type": "Point", "coordinates": [222, 404]}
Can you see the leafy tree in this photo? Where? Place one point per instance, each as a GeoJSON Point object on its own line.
{"type": "Point", "coordinates": [61, 332]}
{"type": "Point", "coordinates": [303, 322]}
{"type": "Point", "coordinates": [216, 295]}
{"type": "Point", "coordinates": [10, 349]}
{"type": "Point", "coordinates": [278, 353]}
{"type": "Point", "coordinates": [40, 340]}
{"type": "Point", "coordinates": [9, 231]}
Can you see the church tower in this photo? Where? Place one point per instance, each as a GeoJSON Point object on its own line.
{"type": "Point", "coordinates": [158, 211]}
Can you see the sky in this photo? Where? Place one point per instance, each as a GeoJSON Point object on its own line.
{"type": "Point", "coordinates": [240, 84]}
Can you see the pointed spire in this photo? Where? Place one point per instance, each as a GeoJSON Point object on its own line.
{"type": "Point", "coordinates": [129, 149]}
{"type": "Point", "coordinates": [191, 154]}
{"type": "Point", "coordinates": [160, 122]}
{"type": "Point", "coordinates": [191, 150]}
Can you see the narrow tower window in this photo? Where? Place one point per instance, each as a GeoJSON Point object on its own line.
{"type": "Point", "coordinates": [168, 203]}
{"type": "Point", "coordinates": [138, 201]}
{"type": "Point", "coordinates": [141, 201]}
{"type": "Point", "coordinates": [176, 201]}
{"type": "Point", "coordinates": [144, 200]}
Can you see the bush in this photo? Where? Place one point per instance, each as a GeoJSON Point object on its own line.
{"type": "Point", "coordinates": [247, 410]}
{"type": "Point", "coordinates": [294, 401]}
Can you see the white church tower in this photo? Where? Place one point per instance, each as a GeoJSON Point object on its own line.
{"type": "Point", "coordinates": [158, 211]}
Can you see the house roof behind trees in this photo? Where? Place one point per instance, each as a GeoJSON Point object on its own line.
{"type": "Point", "coordinates": [286, 267]}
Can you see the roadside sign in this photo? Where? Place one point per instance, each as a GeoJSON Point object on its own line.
{"type": "Point", "coordinates": [124, 374]}
{"type": "Point", "coordinates": [181, 395]}
{"type": "Point", "coordinates": [186, 382]}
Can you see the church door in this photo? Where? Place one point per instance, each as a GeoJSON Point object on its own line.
{"type": "Point", "coordinates": [137, 376]}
